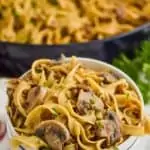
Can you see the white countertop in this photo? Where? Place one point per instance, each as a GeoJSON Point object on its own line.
{"type": "Point", "coordinates": [143, 143]}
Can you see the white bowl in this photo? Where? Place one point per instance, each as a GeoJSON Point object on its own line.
{"type": "Point", "coordinates": [98, 65]}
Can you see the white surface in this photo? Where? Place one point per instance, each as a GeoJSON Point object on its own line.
{"type": "Point", "coordinates": [4, 144]}
{"type": "Point", "coordinates": [143, 143]}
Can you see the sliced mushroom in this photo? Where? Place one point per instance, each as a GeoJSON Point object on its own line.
{"type": "Point", "coordinates": [109, 128]}
{"type": "Point", "coordinates": [113, 117]}
{"type": "Point", "coordinates": [54, 133]}
{"type": "Point", "coordinates": [108, 77]}
{"type": "Point", "coordinates": [83, 103]}
{"type": "Point", "coordinates": [35, 97]}
{"type": "Point", "coordinates": [88, 101]}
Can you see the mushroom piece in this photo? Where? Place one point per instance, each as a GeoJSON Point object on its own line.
{"type": "Point", "coordinates": [113, 117]}
{"type": "Point", "coordinates": [109, 128]}
{"type": "Point", "coordinates": [108, 77]}
{"type": "Point", "coordinates": [35, 97]}
{"type": "Point", "coordinates": [88, 101]}
{"type": "Point", "coordinates": [54, 133]}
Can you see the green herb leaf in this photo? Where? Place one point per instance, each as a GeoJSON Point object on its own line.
{"type": "Point", "coordinates": [54, 112]}
{"type": "Point", "coordinates": [38, 70]}
{"type": "Point", "coordinates": [15, 13]}
{"type": "Point", "coordinates": [54, 2]}
{"type": "Point", "coordinates": [92, 101]}
{"type": "Point", "coordinates": [127, 95]}
{"type": "Point", "coordinates": [44, 148]}
{"type": "Point", "coordinates": [33, 21]}
{"type": "Point", "coordinates": [116, 148]}
{"type": "Point", "coordinates": [33, 3]}
{"type": "Point", "coordinates": [99, 124]}
{"type": "Point", "coordinates": [1, 14]}
{"type": "Point", "coordinates": [138, 68]}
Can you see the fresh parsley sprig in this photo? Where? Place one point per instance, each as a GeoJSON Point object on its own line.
{"type": "Point", "coordinates": [138, 68]}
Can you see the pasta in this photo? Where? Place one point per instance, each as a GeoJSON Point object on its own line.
{"type": "Point", "coordinates": [59, 21]}
{"type": "Point", "coordinates": [62, 105]}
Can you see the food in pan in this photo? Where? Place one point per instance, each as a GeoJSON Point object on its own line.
{"type": "Point", "coordinates": [63, 105]}
{"type": "Point", "coordinates": [65, 21]}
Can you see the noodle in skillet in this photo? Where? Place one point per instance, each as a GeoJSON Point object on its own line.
{"type": "Point", "coordinates": [65, 21]}
{"type": "Point", "coordinates": [62, 105]}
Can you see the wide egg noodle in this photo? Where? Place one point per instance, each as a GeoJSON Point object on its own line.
{"type": "Point", "coordinates": [29, 142]}
{"type": "Point", "coordinates": [147, 124]}
{"type": "Point", "coordinates": [131, 103]}
{"type": "Point", "coordinates": [36, 74]}
{"type": "Point", "coordinates": [133, 130]}
{"type": "Point", "coordinates": [18, 95]}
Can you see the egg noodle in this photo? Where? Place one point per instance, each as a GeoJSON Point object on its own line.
{"type": "Point", "coordinates": [65, 21]}
{"type": "Point", "coordinates": [62, 105]}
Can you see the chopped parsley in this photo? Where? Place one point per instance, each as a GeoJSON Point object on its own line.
{"type": "Point", "coordinates": [54, 112]}
{"type": "Point", "coordinates": [33, 21]}
{"type": "Point", "coordinates": [44, 148]}
{"type": "Point", "coordinates": [38, 70]}
{"type": "Point", "coordinates": [127, 95]}
{"type": "Point", "coordinates": [15, 13]}
{"type": "Point", "coordinates": [54, 2]}
{"type": "Point", "coordinates": [99, 124]}
{"type": "Point", "coordinates": [116, 148]}
{"type": "Point", "coordinates": [98, 115]}
{"type": "Point", "coordinates": [92, 101]}
{"type": "Point", "coordinates": [33, 3]}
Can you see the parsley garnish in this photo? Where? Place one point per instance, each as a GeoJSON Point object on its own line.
{"type": "Point", "coordinates": [99, 124]}
{"type": "Point", "coordinates": [54, 2]}
{"type": "Point", "coordinates": [44, 148]}
{"type": "Point", "coordinates": [33, 3]}
{"type": "Point", "coordinates": [54, 112]}
{"type": "Point", "coordinates": [116, 148]}
{"type": "Point", "coordinates": [33, 21]}
{"type": "Point", "coordinates": [127, 95]}
{"type": "Point", "coordinates": [15, 13]}
{"type": "Point", "coordinates": [38, 70]}
{"type": "Point", "coordinates": [92, 101]}
{"type": "Point", "coordinates": [138, 68]}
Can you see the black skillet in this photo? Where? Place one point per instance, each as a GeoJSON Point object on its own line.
{"type": "Point", "coordinates": [16, 58]}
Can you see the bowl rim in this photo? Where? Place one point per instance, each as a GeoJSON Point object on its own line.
{"type": "Point", "coordinates": [127, 144]}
